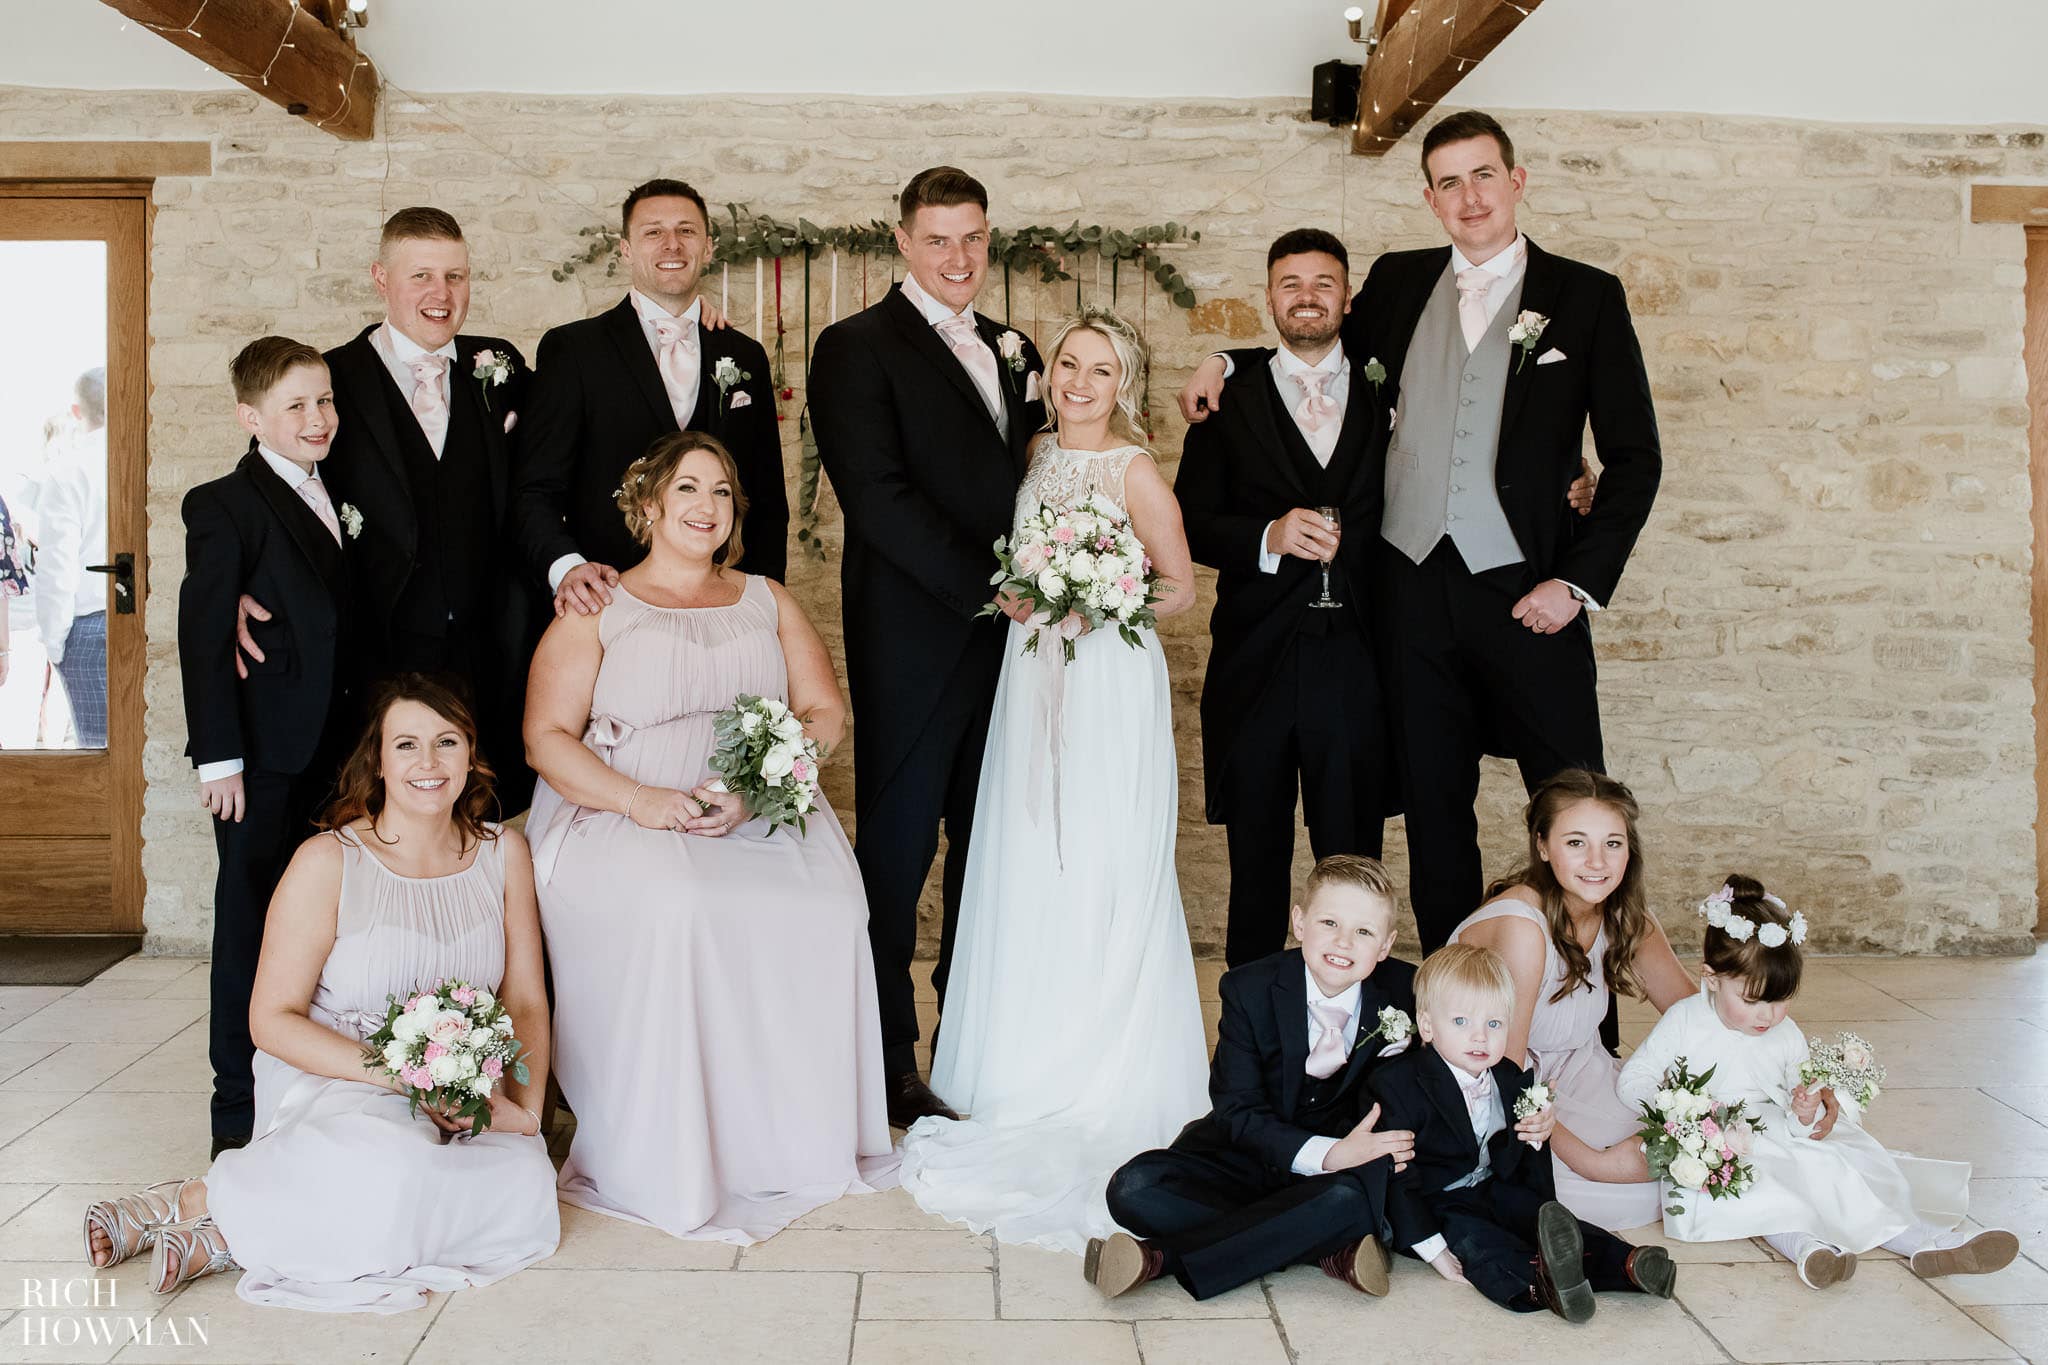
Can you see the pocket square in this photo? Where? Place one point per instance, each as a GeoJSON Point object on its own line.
{"type": "Point", "coordinates": [1031, 390]}
{"type": "Point", "coordinates": [1393, 418]}
{"type": "Point", "coordinates": [1550, 356]}
{"type": "Point", "coordinates": [742, 399]}
{"type": "Point", "coordinates": [511, 421]}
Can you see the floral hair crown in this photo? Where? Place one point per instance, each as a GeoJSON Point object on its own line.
{"type": "Point", "coordinates": [1719, 912]}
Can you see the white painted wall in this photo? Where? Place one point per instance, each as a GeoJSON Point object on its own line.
{"type": "Point", "coordinates": [1865, 61]}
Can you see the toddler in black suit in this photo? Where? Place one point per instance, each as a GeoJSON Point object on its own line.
{"type": "Point", "coordinates": [1478, 1202]}
{"type": "Point", "coordinates": [266, 746]}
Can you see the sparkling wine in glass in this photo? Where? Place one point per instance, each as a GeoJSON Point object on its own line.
{"type": "Point", "coordinates": [1332, 518]}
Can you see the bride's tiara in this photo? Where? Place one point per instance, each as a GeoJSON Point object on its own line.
{"type": "Point", "coordinates": [1719, 912]}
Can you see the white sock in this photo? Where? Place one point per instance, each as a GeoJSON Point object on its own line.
{"type": "Point", "coordinates": [1797, 1246]}
{"type": "Point", "coordinates": [1924, 1236]}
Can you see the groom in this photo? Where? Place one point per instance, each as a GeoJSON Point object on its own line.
{"type": "Point", "coordinates": [924, 427]}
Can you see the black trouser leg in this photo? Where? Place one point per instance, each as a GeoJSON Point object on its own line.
{"type": "Point", "coordinates": [1260, 834]}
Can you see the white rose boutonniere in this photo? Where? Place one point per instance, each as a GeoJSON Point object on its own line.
{"type": "Point", "coordinates": [1524, 333]}
{"type": "Point", "coordinates": [351, 520]}
{"type": "Point", "coordinates": [1394, 1026]}
{"type": "Point", "coordinates": [1011, 347]}
{"type": "Point", "coordinates": [1533, 1101]}
{"type": "Point", "coordinates": [491, 370]}
{"type": "Point", "coordinates": [725, 374]}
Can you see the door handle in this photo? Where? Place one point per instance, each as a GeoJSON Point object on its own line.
{"type": "Point", "coordinates": [123, 570]}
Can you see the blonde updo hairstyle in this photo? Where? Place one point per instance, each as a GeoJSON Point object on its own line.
{"type": "Point", "coordinates": [643, 491]}
{"type": "Point", "coordinates": [1131, 354]}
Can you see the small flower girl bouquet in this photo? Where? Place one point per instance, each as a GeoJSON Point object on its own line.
{"type": "Point", "coordinates": [1848, 1066]}
{"type": "Point", "coordinates": [1695, 1143]}
{"type": "Point", "coordinates": [1077, 567]}
{"type": "Point", "coordinates": [764, 757]}
{"type": "Point", "coordinates": [448, 1045]}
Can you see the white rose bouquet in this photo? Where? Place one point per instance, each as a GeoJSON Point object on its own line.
{"type": "Point", "coordinates": [1848, 1066]}
{"type": "Point", "coordinates": [1695, 1143]}
{"type": "Point", "coordinates": [765, 758]}
{"type": "Point", "coordinates": [1080, 568]}
{"type": "Point", "coordinates": [448, 1045]}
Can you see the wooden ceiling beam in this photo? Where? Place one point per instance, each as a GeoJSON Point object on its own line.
{"type": "Point", "coordinates": [291, 52]}
{"type": "Point", "coordinates": [1425, 48]}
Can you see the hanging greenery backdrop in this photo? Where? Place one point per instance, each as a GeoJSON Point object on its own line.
{"type": "Point", "coordinates": [745, 235]}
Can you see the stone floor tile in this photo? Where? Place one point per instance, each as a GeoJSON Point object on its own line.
{"type": "Point", "coordinates": [703, 1317]}
{"type": "Point", "coordinates": [1764, 1313]}
{"type": "Point", "coordinates": [1697, 1253]}
{"type": "Point", "coordinates": [22, 1113]}
{"type": "Point", "coordinates": [591, 1241]}
{"type": "Point", "coordinates": [2019, 1205]}
{"type": "Point", "coordinates": [180, 1066]}
{"type": "Point", "coordinates": [110, 1138]}
{"type": "Point", "coordinates": [1961, 1125]}
{"type": "Point", "coordinates": [1829, 993]}
{"type": "Point", "coordinates": [868, 1250]}
{"type": "Point", "coordinates": [1427, 1320]}
{"type": "Point", "coordinates": [1034, 1282]}
{"type": "Point", "coordinates": [76, 1067]}
{"type": "Point", "coordinates": [19, 1002]}
{"type": "Point", "coordinates": [16, 1196]}
{"type": "Point", "coordinates": [2023, 1281]}
{"type": "Point", "coordinates": [113, 1307]}
{"type": "Point", "coordinates": [75, 1019]}
{"type": "Point", "coordinates": [1938, 978]}
{"type": "Point", "coordinates": [219, 1328]}
{"type": "Point", "coordinates": [157, 969]}
{"type": "Point", "coordinates": [1955, 1052]}
{"type": "Point", "coordinates": [890, 1210]}
{"type": "Point", "coordinates": [2031, 1100]}
{"type": "Point", "coordinates": [196, 984]}
{"type": "Point", "coordinates": [52, 1228]}
{"type": "Point", "coordinates": [995, 1343]}
{"type": "Point", "coordinates": [2024, 1327]}
{"type": "Point", "coordinates": [1244, 1342]}
{"type": "Point", "coordinates": [928, 1295]}
{"type": "Point", "coordinates": [16, 1058]}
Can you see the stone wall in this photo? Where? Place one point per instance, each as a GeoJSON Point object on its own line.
{"type": "Point", "coordinates": [1817, 668]}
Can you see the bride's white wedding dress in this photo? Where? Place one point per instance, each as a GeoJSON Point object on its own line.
{"type": "Point", "coordinates": [1072, 1035]}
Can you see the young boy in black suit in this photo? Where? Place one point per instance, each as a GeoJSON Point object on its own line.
{"type": "Point", "coordinates": [1292, 1163]}
{"type": "Point", "coordinates": [1478, 1202]}
{"type": "Point", "coordinates": [266, 747]}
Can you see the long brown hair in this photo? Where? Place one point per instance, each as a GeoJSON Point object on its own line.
{"type": "Point", "coordinates": [1626, 910]}
{"type": "Point", "coordinates": [359, 792]}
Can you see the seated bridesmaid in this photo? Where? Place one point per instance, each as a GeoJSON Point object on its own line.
{"type": "Point", "coordinates": [345, 1200]}
{"type": "Point", "coordinates": [715, 1018]}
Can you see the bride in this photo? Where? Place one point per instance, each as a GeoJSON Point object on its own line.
{"type": "Point", "coordinates": [1073, 1038]}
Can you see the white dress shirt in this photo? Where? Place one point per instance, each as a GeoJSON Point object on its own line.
{"type": "Point", "coordinates": [398, 351]}
{"type": "Point", "coordinates": [73, 511]}
{"type": "Point", "coordinates": [683, 404]}
{"type": "Point", "coordinates": [1323, 444]}
{"type": "Point", "coordinates": [1309, 1160]}
{"type": "Point", "coordinates": [1483, 1106]}
{"type": "Point", "coordinates": [293, 477]}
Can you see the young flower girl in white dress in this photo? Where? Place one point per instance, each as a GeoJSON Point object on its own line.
{"type": "Point", "coordinates": [1818, 1203]}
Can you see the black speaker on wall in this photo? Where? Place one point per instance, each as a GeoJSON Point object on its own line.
{"type": "Point", "coordinates": [1333, 97]}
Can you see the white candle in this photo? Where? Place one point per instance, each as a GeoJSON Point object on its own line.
{"type": "Point", "coordinates": [724, 279]}
{"type": "Point", "coordinates": [834, 316]}
{"type": "Point", "coordinates": [757, 295]}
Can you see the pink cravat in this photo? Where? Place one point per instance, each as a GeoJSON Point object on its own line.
{"type": "Point", "coordinates": [315, 493]}
{"type": "Point", "coordinates": [1326, 1056]}
{"type": "Point", "coordinates": [675, 355]}
{"type": "Point", "coordinates": [975, 356]}
{"type": "Point", "coordinates": [1478, 1099]}
{"type": "Point", "coordinates": [1317, 409]}
{"type": "Point", "coordinates": [430, 398]}
{"type": "Point", "coordinates": [1474, 284]}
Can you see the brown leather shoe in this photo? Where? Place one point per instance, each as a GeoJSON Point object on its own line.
{"type": "Point", "coordinates": [910, 1099]}
{"type": "Point", "coordinates": [1361, 1264]}
{"type": "Point", "coordinates": [1650, 1270]}
{"type": "Point", "coordinates": [1119, 1263]}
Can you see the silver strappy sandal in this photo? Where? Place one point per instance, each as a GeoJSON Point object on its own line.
{"type": "Point", "coordinates": [132, 1222]}
{"type": "Point", "coordinates": [201, 1248]}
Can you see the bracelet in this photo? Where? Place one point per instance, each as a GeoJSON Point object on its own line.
{"type": "Point", "coordinates": [536, 1120]}
{"type": "Point", "coordinates": [637, 786]}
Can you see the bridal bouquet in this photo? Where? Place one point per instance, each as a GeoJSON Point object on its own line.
{"type": "Point", "coordinates": [1079, 567]}
{"type": "Point", "coordinates": [764, 756]}
{"type": "Point", "coordinates": [448, 1045]}
{"type": "Point", "coordinates": [1848, 1066]}
{"type": "Point", "coordinates": [1694, 1142]}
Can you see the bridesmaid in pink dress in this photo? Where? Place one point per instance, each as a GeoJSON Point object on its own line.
{"type": "Point", "coordinates": [346, 1200]}
{"type": "Point", "coordinates": [715, 1017]}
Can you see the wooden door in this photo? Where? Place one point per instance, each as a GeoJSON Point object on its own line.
{"type": "Point", "coordinates": [74, 301]}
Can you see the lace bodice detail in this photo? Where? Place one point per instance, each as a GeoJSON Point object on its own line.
{"type": "Point", "coordinates": [1059, 477]}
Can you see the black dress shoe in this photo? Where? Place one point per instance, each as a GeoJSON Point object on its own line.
{"type": "Point", "coordinates": [1561, 1281]}
{"type": "Point", "coordinates": [222, 1144]}
{"type": "Point", "coordinates": [910, 1099]}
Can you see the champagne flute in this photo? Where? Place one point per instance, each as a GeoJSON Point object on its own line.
{"type": "Point", "coordinates": [1332, 518]}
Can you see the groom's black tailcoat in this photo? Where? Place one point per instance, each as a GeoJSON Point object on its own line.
{"type": "Point", "coordinates": [598, 403]}
{"type": "Point", "coordinates": [1291, 699]}
{"type": "Point", "coordinates": [927, 483]}
{"type": "Point", "coordinates": [1224, 1200]}
{"type": "Point", "coordinates": [1465, 678]}
{"type": "Point", "coordinates": [440, 575]}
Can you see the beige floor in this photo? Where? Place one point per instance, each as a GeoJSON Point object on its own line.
{"type": "Point", "coordinates": [102, 1089]}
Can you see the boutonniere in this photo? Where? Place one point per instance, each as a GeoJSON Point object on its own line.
{"type": "Point", "coordinates": [1394, 1026]}
{"type": "Point", "coordinates": [1010, 346]}
{"type": "Point", "coordinates": [1527, 328]}
{"type": "Point", "coordinates": [491, 370]}
{"type": "Point", "coordinates": [351, 520]}
{"type": "Point", "coordinates": [725, 374]}
{"type": "Point", "coordinates": [1375, 374]}
{"type": "Point", "coordinates": [1534, 1101]}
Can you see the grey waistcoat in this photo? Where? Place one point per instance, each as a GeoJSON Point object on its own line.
{"type": "Point", "coordinates": [1440, 462]}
